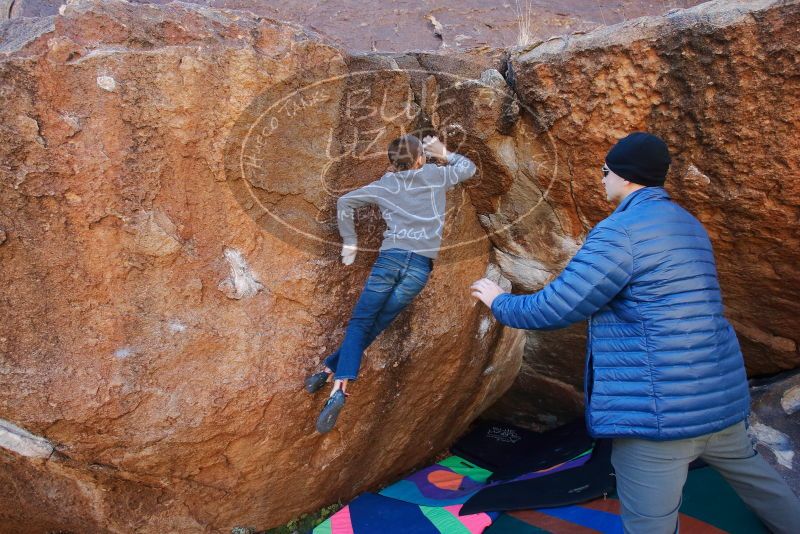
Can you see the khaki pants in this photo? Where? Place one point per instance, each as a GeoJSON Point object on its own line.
{"type": "Point", "coordinates": [651, 474]}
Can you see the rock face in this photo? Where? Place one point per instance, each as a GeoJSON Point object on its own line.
{"type": "Point", "coordinates": [170, 261]}
{"type": "Point", "coordinates": [158, 325]}
{"type": "Point", "coordinates": [407, 26]}
{"type": "Point", "coordinates": [775, 423]}
{"type": "Point", "coordinates": [719, 82]}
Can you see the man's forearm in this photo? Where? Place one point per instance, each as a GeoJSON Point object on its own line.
{"type": "Point", "coordinates": [600, 269]}
{"type": "Point", "coordinates": [520, 311]}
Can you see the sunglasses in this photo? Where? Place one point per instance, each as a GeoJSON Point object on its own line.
{"type": "Point", "coordinates": [605, 170]}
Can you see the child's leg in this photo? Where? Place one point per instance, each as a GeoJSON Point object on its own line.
{"type": "Point", "coordinates": [401, 296]}
{"type": "Point", "coordinates": [411, 283]}
{"type": "Point", "coordinates": [404, 282]}
{"type": "Point", "coordinates": [381, 281]}
{"type": "Point", "coordinates": [331, 361]}
{"type": "Point", "coordinates": [396, 303]}
{"type": "Point", "coordinates": [392, 309]}
{"type": "Point", "coordinates": [386, 316]}
{"type": "Point", "coordinates": [383, 319]}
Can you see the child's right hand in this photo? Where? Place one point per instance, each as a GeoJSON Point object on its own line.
{"type": "Point", "coordinates": [349, 254]}
{"type": "Point", "coordinates": [433, 147]}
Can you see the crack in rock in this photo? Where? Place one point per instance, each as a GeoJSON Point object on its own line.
{"type": "Point", "coordinates": [20, 441]}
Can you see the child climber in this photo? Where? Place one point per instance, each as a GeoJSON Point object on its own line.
{"type": "Point", "coordinates": [412, 203]}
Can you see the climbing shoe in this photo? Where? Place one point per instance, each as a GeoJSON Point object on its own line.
{"type": "Point", "coordinates": [329, 413]}
{"type": "Point", "coordinates": [316, 381]}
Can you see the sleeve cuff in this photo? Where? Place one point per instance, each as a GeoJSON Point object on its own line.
{"type": "Point", "coordinates": [495, 303]}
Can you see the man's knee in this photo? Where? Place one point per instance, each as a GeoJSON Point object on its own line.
{"type": "Point", "coordinates": [657, 509]}
{"type": "Point", "coordinates": [640, 523]}
{"type": "Point", "coordinates": [650, 478]}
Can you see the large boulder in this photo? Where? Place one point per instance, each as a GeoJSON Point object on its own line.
{"type": "Point", "coordinates": [416, 25]}
{"type": "Point", "coordinates": [170, 261]}
{"type": "Point", "coordinates": [719, 82]}
{"type": "Point", "coordinates": [774, 423]}
{"type": "Point", "coordinates": [170, 274]}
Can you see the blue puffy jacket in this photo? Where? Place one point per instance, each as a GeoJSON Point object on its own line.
{"type": "Point", "coordinates": [662, 362]}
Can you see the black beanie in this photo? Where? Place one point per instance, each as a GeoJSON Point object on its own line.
{"type": "Point", "coordinates": [641, 158]}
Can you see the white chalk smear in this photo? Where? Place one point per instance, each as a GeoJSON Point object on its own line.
{"type": "Point", "coordinates": [242, 281]}
{"type": "Point", "coordinates": [790, 401]}
{"type": "Point", "coordinates": [176, 326]}
{"type": "Point", "coordinates": [776, 441]}
{"type": "Point", "coordinates": [483, 327]}
{"type": "Point", "coordinates": [123, 352]}
{"type": "Point", "coordinates": [107, 83]}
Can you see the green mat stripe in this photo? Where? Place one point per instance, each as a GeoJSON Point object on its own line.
{"type": "Point", "coordinates": [444, 520]}
{"type": "Point", "coordinates": [323, 528]}
{"type": "Point", "coordinates": [466, 468]}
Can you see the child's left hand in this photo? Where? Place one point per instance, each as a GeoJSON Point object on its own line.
{"type": "Point", "coordinates": [486, 290]}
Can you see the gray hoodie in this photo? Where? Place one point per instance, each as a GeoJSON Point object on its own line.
{"type": "Point", "coordinates": [412, 203]}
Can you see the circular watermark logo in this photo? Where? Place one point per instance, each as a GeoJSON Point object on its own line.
{"type": "Point", "coordinates": [304, 143]}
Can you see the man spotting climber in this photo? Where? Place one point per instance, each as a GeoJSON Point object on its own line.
{"type": "Point", "coordinates": [664, 376]}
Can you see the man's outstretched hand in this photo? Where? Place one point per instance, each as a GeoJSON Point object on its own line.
{"type": "Point", "coordinates": [349, 254]}
{"type": "Point", "coordinates": [485, 290]}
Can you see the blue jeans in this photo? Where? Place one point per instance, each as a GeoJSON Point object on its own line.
{"type": "Point", "coordinates": [397, 276]}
